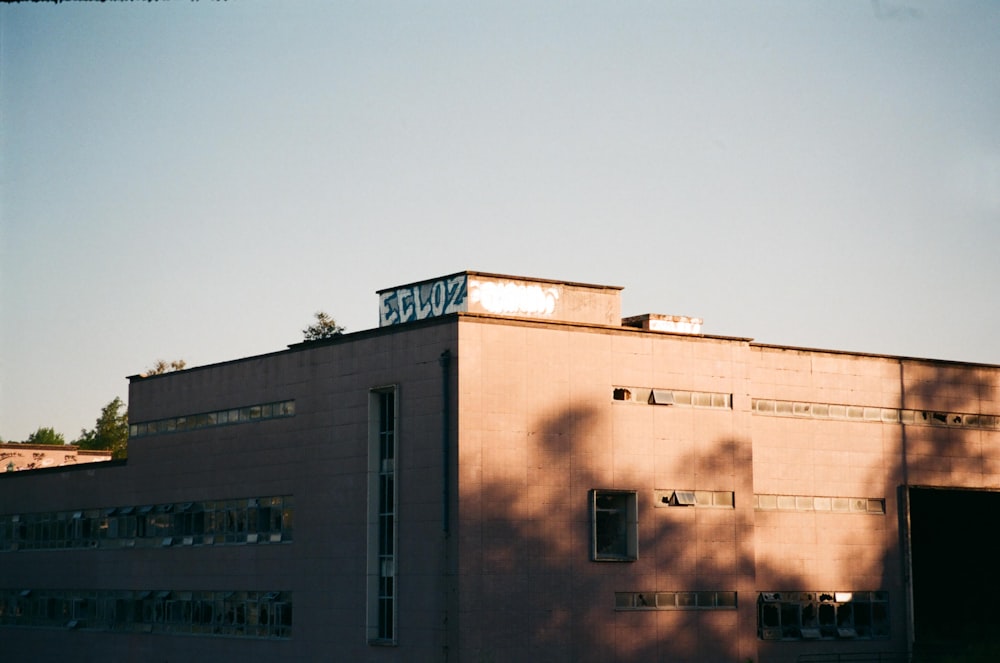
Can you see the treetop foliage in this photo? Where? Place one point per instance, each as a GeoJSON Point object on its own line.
{"type": "Point", "coordinates": [45, 436]}
{"type": "Point", "coordinates": [324, 327]}
{"type": "Point", "coordinates": [161, 367]}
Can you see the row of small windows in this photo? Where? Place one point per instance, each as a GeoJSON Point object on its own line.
{"type": "Point", "coordinates": [700, 498]}
{"type": "Point", "coordinates": [779, 408]}
{"type": "Point", "coordinates": [886, 415]}
{"type": "Point", "coordinates": [211, 522]}
{"type": "Point", "coordinates": [701, 399]}
{"type": "Point", "coordinates": [710, 600]}
{"type": "Point", "coordinates": [248, 614]}
{"type": "Point", "coordinates": [614, 514]}
{"type": "Point", "coordinates": [823, 615]}
{"type": "Point", "coordinates": [240, 415]}
{"type": "Point", "coordinates": [871, 505]}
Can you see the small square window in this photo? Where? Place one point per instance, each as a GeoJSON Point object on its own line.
{"type": "Point", "coordinates": [666, 600]}
{"type": "Point", "coordinates": [614, 525]}
{"type": "Point", "coordinates": [722, 400]}
{"type": "Point", "coordinates": [661, 397]}
{"type": "Point", "coordinates": [683, 498]}
{"type": "Point", "coordinates": [624, 599]}
{"type": "Point", "coordinates": [724, 498]}
{"type": "Point", "coordinates": [705, 599]}
{"type": "Point", "coordinates": [701, 399]}
{"type": "Point", "coordinates": [786, 502]}
{"type": "Point", "coordinates": [682, 397]}
{"type": "Point", "coordinates": [726, 599]}
{"type": "Point", "coordinates": [841, 504]}
{"type": "Point", "coordinates": [687, 599]}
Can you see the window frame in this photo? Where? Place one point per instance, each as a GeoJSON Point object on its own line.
{"type": "Point", "coordinates": [630, 528]}
{"type": "Point", "coordinates": [383, 511]}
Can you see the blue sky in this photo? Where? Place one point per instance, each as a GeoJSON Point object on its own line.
{"type": "Point", "coordinates": [195, 180]}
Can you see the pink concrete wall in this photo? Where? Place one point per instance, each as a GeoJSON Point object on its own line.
{"type": "Point", "coordinates": [538, 429]}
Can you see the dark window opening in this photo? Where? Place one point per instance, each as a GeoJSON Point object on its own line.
{"type": "Point", "coordinates": [952, 550]}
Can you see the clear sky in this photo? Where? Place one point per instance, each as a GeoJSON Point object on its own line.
{"type": "Point", "coordinates": [193, 180]}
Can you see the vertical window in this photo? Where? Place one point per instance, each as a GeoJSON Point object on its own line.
{"type": "Point", "coordinates": [613, 525]}
{"type": "Point", "coordinates": [382, 506]}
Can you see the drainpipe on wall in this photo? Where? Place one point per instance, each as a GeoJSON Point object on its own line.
{"type": "Point", "coordinates": [445, 361]}
{"type": "Point", "coordinates": [903, 506]}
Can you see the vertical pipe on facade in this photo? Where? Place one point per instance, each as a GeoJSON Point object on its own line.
{"type": "Point", "coordinates": [903, 506]}
{"type": "Point", "coordinates": [445, 362]}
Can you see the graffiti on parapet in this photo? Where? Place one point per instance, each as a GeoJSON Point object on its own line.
{"type": "Point", "coordinates": [460, 293]}
{"type": "Point", "coordinates": [513, 298]}
{"type": "Point", "coordinates": [423, 300]}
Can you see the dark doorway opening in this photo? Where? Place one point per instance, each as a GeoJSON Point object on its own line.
{"type": "Point", "coordinates": [956, 566]}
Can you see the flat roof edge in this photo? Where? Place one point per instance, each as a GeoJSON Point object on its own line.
{"type": "Point", "coordinates": [873, 355]}
{"type": "Point", "coordinates": [306, 345]}
{"type": "Point", "coordinates": [513, 277]}
{"type": "Point", "coordinates": [502, 319]}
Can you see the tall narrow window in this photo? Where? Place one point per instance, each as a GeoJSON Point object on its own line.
{"type": "Point", "coordinates": [613, 525]}
{"type": "Point", "coordinates": [382, 517]}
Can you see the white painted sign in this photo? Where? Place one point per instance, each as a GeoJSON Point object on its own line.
{"type": "Point", "coordinates": [513, 298]}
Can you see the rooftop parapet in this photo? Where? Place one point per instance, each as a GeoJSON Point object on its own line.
{"type": "Point", "coordinates": [498, 294]}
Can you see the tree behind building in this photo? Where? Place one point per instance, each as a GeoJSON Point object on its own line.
{"type": "Point", "coordinates": [45, 436]}
{"type": "Point", "coordinates": [324, 327]}
{"type": "Point", "coordinates": [110, 431]}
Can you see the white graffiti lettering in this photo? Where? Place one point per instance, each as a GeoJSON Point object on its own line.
{"type": "Point", "coordinates": [513, 297]}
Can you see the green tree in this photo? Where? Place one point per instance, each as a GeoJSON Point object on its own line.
{"type": "Point", "coordinates": [45, 436]}
{"type": "Point", "coordinates": [324, 327]}
{"type": "Point", "coordinates": [110, 430]}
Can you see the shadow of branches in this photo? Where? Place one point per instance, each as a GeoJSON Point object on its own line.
{"type": "Point", "coordinates": [530, 592]}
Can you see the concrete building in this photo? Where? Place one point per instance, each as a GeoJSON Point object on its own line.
{"type": "Point", "coordinates": [15, 456]}
{"type": "Point", "coordinates": [506, 470]}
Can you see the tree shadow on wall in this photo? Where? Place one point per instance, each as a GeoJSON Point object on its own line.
{"type": "Point", "coordinates": [532, 593]}
{"type": "Point", "coordinates": [945, 465]}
